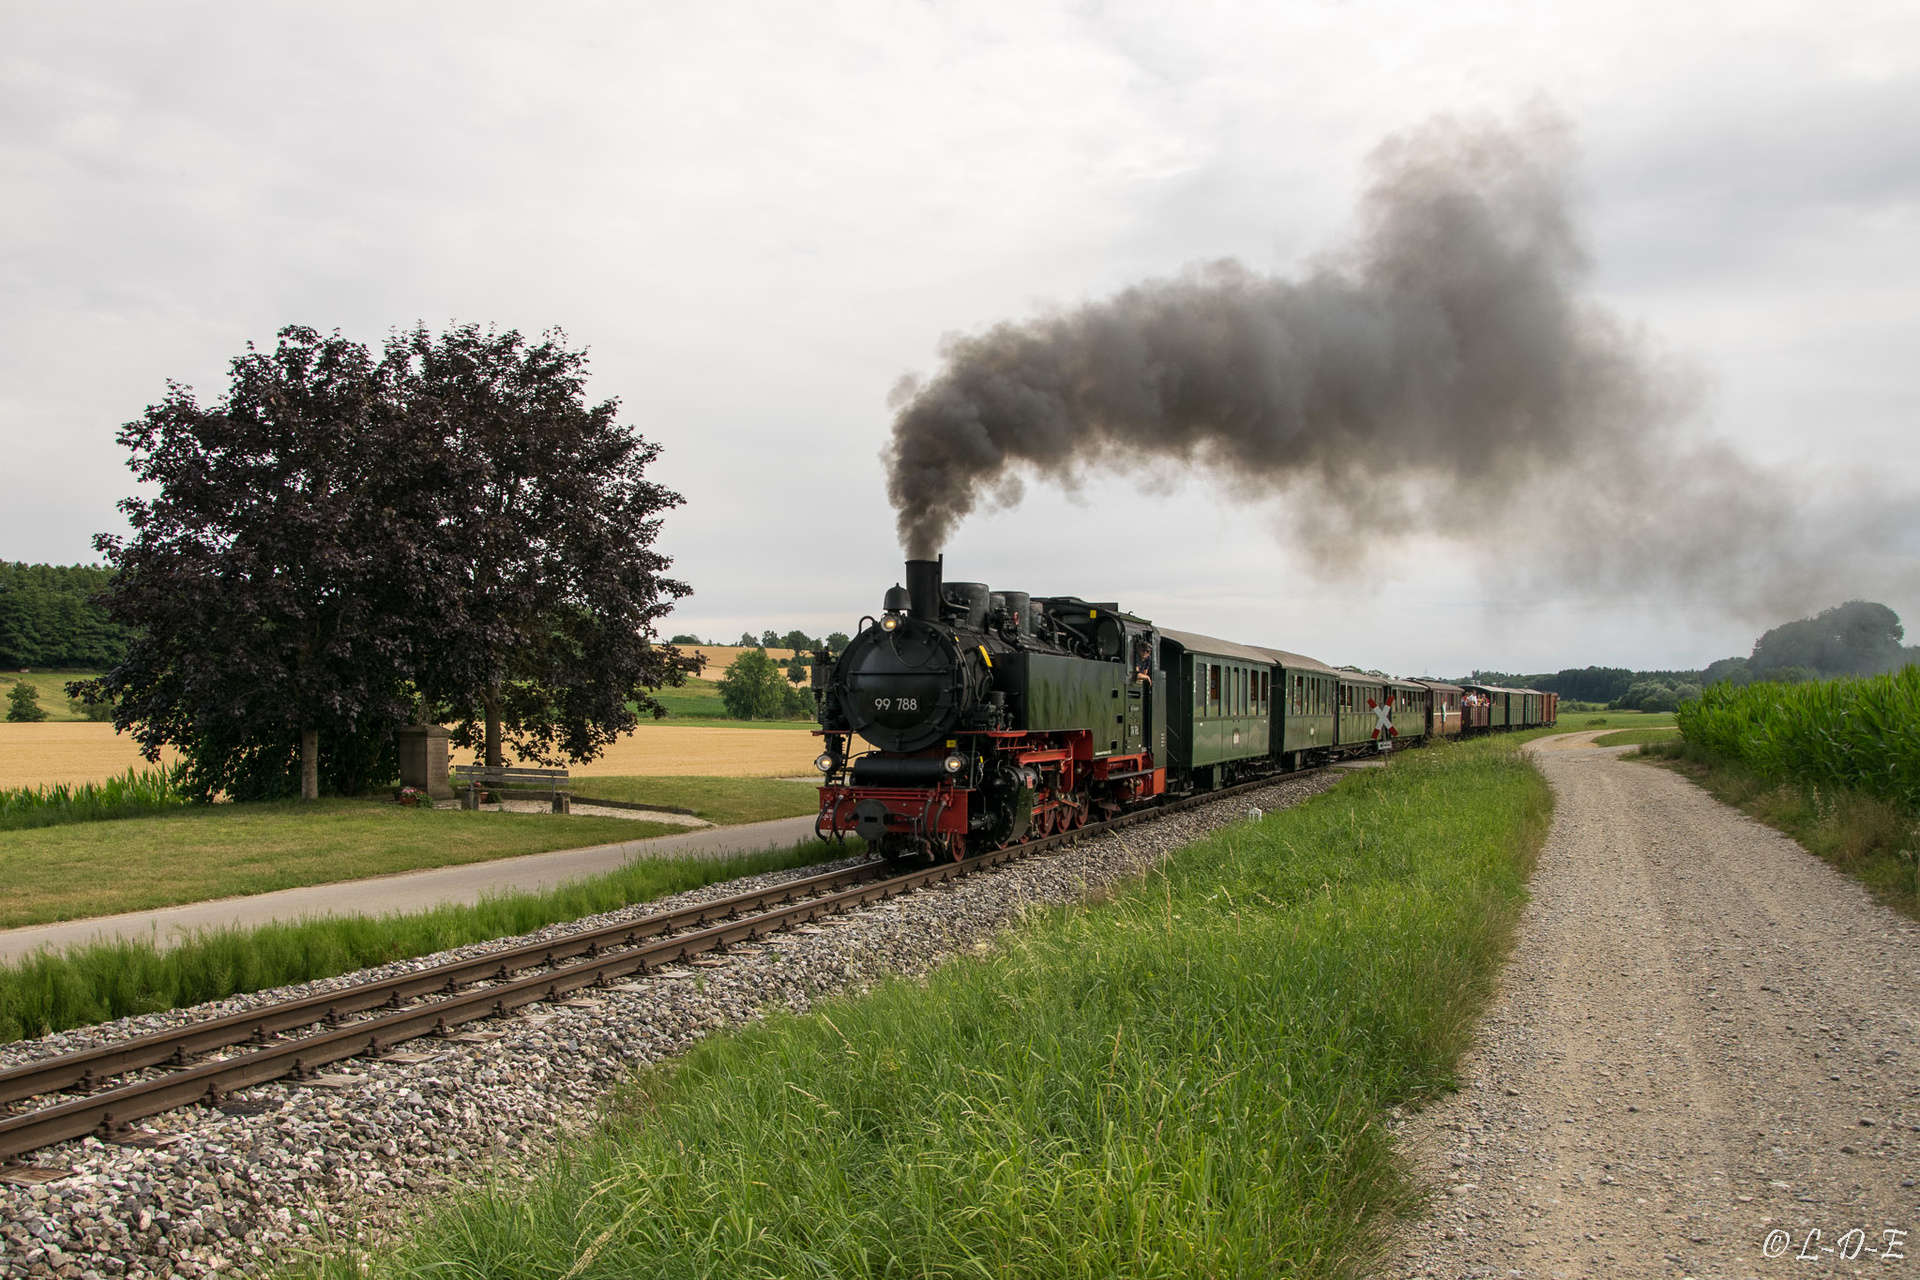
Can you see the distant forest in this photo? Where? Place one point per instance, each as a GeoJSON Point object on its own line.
{"type": "Point", "coordinates": [48, 618]}
{"type": "Point", "coordinates": [1859, 638]}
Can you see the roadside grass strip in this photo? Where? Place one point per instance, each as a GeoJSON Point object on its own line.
{"type": "Point", "coordinates": [1187, 1078]}
{"type": "Point", "coordinates": [101, 981]}
{"type": "Point", "coordinates": [1635, 737]}
{"type": "Point", "coordinates": [134, 794]}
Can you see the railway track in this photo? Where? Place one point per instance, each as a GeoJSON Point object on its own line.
{"type": "Point", "coordinates": [203, 1062]}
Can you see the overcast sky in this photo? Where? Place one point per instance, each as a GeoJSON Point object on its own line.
{"type": "Point", "coordinates": [758, 217]}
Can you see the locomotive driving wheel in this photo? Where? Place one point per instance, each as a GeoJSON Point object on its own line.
{"type": "Point", "coordinates": [1075, 810]}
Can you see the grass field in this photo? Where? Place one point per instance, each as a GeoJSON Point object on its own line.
{"type": "Point", "coordinates": [1874, 840]}
{"type": "Point", "coordinates": [101, 981]}
{"type": "Point", "coordinates": [1635, 737]}
{"type": "Point", "coordinates": [52, 687]}
{"type": "Point", "coordinates": [698, 702]}
{"type": "Point", "coordinates": [719, 800]}
{"type": "Point", "coordinates": [201, 853]}
{"type": "Point", "coordinates": [1189, 1078]}
{"type": "Point", "coordinates": [1574, 721]}
{"type": "Point", "coordinates": [197, 853]}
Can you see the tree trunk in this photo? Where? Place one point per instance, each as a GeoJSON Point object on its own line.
{"type": "Point", "coordinates": [309, 764]}
{"type": "Point", "coordinates": [492, 702]}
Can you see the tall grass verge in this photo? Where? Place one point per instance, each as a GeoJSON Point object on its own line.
{"type": "Point", "coordinates": [131, 795]}
{"type": "Point", "coordinates": [98, 982]}
{"type": "Point", "coordinates": [1185, 1079]}
{"type": "Point", "coordinates": [1860, 735]}
{"type": "Point", "coordinates": [1874, 840]}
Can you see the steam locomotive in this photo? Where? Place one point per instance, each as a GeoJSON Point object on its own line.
{"type": "Point", "coordinates": [992, 717]}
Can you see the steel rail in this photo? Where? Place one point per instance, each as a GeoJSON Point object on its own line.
{"type": "Point", "coordinates": [574, 963]}
{"type": "Point", "coordinates": [178, 1045]}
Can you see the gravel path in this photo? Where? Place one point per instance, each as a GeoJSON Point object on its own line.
{"type": "Point", "coordinates": [284, 1167]}
{"type": "Point", "coordinates": [1704, 1053]}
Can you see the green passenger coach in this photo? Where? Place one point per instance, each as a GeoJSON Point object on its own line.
{"type": "Point", "coordinates": [1217, 725]}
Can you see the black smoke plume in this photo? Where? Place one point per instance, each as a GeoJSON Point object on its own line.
{"type": "Point", "coordinates": [1443, 376]}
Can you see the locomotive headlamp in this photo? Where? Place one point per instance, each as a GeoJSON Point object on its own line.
{"type": "Point", "coordinates": [890, 623]}
{"type": "Point", "coordinates": [955, 762]}
{"type": "Point", "coordinates": [826, 762]}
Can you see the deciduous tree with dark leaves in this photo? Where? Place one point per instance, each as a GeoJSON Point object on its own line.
{"type": "Point", "coordinates": [268, 578]}
{"type": "Point", "coordinates": [540, 627]}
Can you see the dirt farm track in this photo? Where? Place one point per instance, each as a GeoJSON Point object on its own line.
{"type": "Point", "coordinates": [37, 754]}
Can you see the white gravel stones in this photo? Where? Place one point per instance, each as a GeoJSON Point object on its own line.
{"type": "Point", "coordinates": [294, 1165]}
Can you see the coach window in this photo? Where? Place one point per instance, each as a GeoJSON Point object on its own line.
{"type": "Point", "coordinates": [1213, 689]}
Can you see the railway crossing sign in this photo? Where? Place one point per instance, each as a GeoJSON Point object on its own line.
{"type": "Point", "coordinates": [1382, 719]}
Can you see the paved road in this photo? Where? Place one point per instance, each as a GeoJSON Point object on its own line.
{"type": "Point", "coordinates": [1705, 1050]}
{"type": "Point", "coordinates": [410, 891]}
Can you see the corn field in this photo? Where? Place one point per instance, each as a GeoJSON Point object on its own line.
{"type": "Point", "coordinates": [131, 795]}
{"type": "Point", "coordinates": [1861, 734]}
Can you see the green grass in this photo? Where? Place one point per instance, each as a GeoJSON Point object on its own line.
{"type": "Point", "coordinates": [100, 981]}
{"type": "Point", "coordinates": [1635, 737]}
{"type": "Point", "coordinates": [1189, 1078]}
{"type": "Point", "coordinates": [1575, 721]}
{"type": "Point", "coordinates": [220, 851]}
{"type": "Point", "coordinates": [718, 800]}
{"type": "Point", "coordinates": [1876, 841]}
{"type": "Point", "coordinates": [697, 704]}
{"type": "Point", "coordinates": [52, 688]}
{"type": "Point", "coordinates": [131, 795]}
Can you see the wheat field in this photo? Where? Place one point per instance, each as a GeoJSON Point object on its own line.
{"type": "Point", "coordinates": [33, 755]}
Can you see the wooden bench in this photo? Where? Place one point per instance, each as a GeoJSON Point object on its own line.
{"type": "Point", "coordinates": [480, 779]}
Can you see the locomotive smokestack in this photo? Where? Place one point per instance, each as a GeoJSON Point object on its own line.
{"type": "Point", "coordinates": [923, 589]}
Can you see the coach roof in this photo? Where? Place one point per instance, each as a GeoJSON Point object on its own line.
{"type": "Point", "coordinates": [1215, 646]}
{"type": "Point", "coordinates": [1298, 662]}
